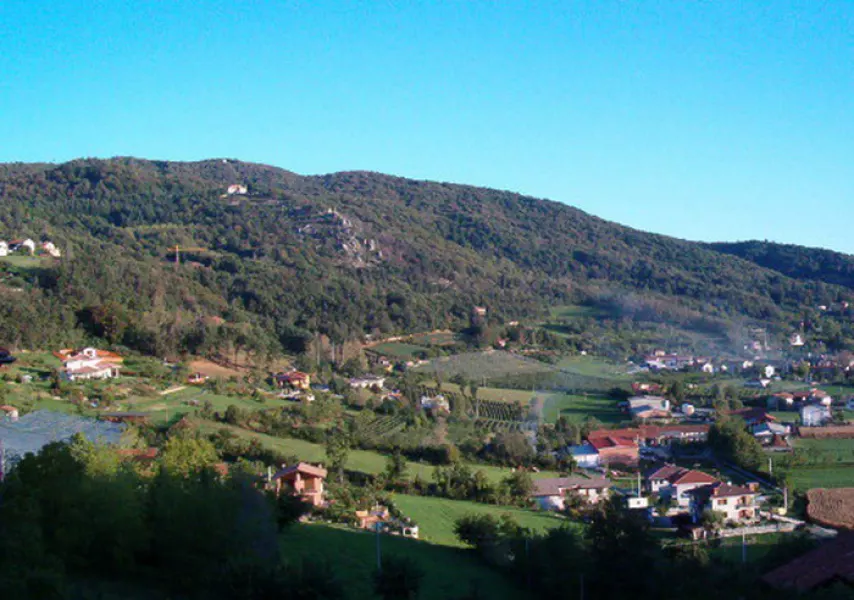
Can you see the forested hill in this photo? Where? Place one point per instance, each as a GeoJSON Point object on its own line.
{"type": "Point", "coordinates": [799, 262]}
{"type": "Point", "coordinates": [341, 254]}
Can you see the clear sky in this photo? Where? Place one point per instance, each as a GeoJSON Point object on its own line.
{"type": "Point", "coordinates": [710, 120]}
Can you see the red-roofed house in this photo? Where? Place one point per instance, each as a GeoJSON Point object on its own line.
{"type": "Point", "coordinates": [294, 379]}
{"type": "Point", "coordinates": [614, 449]}
{"type": "Point", "coordinates": [550, 494]}
{"type": "Point", "coordinates": [670, 481]}
{"type": "Point", "coordinates": [737, 503]}
{"type": "Point", "coordinates": [89, 363]}
{"type": "Point", "coordinates": [303, 480]}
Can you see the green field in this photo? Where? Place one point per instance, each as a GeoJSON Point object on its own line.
{"type": "Point", "coordinates": [575, 311]}
{"type": "Point", "coordinates": [352, 556]}
{"type": "Point", "coordinates": [483, 366]}
{"type": "Point", "coordinates": [436, 516]}
{"type": "Point", "coordinates": [523, 397]}
{"type": "Point", "coordinates": [23, 261]}
{"type": "Point", "coordinates": [806, 478]}
{"type": "Point", "coordinates": [579, 407]}
{"type": "Point", "coordinates": [593, 366]}
{"type": "Point", "coordinates": [363, 461]}
{"type": "Point", "coordinates": [836, 450]}
{"type": "Point", "coordinates": [399, 350]}
{"type": "Point", "coordinates": [440, 338]}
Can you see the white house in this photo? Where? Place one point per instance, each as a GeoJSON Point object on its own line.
{"type": "Point", "coordinates": [237, 189]}
{"type": "Point", "coordinates": [814, 415]}
{"type": "Point", "coordinates": [26, 244]}
{"type": "Point", "coordinates": [584, 455]}
{"type": "Point", "coordinates": [90, 363]}
{"type": "Point", "coordinates": [4, 248]}
{"type": "Point", "coordinates": [796, 339]}
{"type": "Point", "coordinates": [435, 403]}
{"type": "Point", "coordinates": [646, 407]}
{"type": "Point", "coordinates": [675, 482]}
{"type": "Point", "coordinates": [367, 381]}
{"type": "Point", "coordinates": [737, 503]}
{"type": "Point", "coordinates": [51, 249]}
{"type": "Point", "coordinates": [765, 432]}
{"type": "Point", "coordinates": [551, 494]}
{"type": "Point", "coordinates": [707, 367]}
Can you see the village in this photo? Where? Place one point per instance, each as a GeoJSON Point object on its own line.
{"type": "Point", "coordinates": [703, 450]}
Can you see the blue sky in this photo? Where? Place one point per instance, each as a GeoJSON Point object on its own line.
{"type": "Point", "coordinates": [705, 120]}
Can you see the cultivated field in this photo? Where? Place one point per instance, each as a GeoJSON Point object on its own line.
{"type": "Point", "coordinates": [807, 478]}
{"type": "Point", "coordinates": [834, 508]}
{"type": "Point", "coordinates": [436, 516]}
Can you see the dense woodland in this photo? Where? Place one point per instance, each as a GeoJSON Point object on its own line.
{"type": "Point", "coordinates": [396, 256]}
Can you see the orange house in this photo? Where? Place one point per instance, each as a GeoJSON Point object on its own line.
{"type": "Point", "coordinates": [303, 480]}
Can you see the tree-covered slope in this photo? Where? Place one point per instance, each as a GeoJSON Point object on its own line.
{"type": "Point", "coordinates": [341, 254]}
{"type": "Point", "coordinates": [800, 262]}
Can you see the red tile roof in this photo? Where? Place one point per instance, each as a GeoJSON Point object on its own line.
{"type": "Point", "coordinates": [689, 477]}
{"type": "Point", "coordinates": [609, 441]}
{"type": "Point", "coordinates": [302, 469]}
{"type": "Point", "coordinates": [555, 486]}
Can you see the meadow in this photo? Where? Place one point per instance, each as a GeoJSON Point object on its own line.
{"type": "Point", "coordinates": [436, 516]}
{"type": "Point", "coordinates": [448, 572]}
{"type": "Point", "coordinates": [483, 366]}
{"type": "Point", "coordinates": [577, 408]}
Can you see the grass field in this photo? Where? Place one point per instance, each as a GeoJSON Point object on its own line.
{"type": "Point", "coordinates": [439, 338]}
{"type": "Point", "coordinates": [840, 450]}
{"type": "Point", "coordinates": [363, 461]}
{"type": "Point", "coordinates": [807, 478]}
{"type": "Point", "coordinates": [575, 311]}
{"type": "Point", "coordinates": [481, 366]}
{"type": "Point", "coordinates": [352, 554]}
{"type": "Point", "coordinates": [23, 261]}
{"type": "Point", "coordinates": [579, 407]}
{"type": "Point", "coordinates": [436, 516]}
{"type": "Point", "coordinates": [399, 350]}
{"type": "Point", "coordinates": [593, 366]}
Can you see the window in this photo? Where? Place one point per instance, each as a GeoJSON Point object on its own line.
{"type": "Point", "coordinates": [722, 502]}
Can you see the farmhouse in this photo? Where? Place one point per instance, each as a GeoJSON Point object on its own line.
{"type": "Point", "coordinates": [649, 407]}
{"type": "Point", "coordinates": [435, 403]}
{"type": "Point", "coordinates": [302, 480]}
{"type": "Point", "coordinates": [670, 481]}
{"type": "Point", "coordinates": [89, 363]}
{"type": "Point", "coordinates": [51, 249]}
{"type": "Point", "coordinates": [584, 455]}
{"type": "Point", "coordinates": [551, 494]}
{"type": "Point", "coordinates": [814, 415]}
{"type": "Point", "coordinates": [8, 413]}
{"type": "Point", "coordinates": [737, 503]}
{"type": "Point", "coordinates": [294, 379]}
{"type": "Point", "coordinates": [26, 245]}
{"type": "Point", "coordinates": [366, 382]}
{"type": "Point", "coordinates": [614, 449]}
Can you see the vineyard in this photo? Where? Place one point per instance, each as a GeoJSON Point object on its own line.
{"type": "Point", "coordinates": [493, 415]}
{"type": "Point", "coordinates": [383, 426]}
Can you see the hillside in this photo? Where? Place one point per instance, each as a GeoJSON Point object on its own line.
{"type": "Point", "coordinates": [342, 255]}
{"type": "Point", "coordinates": [815, 264]}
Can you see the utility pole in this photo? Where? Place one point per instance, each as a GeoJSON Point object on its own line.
{"type": "Point", "coordinates": [770, 466]}
{"type": "Point", "coordinates": [743, 549]}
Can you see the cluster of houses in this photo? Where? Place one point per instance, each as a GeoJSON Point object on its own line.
{"type": "Point", "coordinates": [30, 247]}
{"type": "Point", "coordinates": [605, 448]}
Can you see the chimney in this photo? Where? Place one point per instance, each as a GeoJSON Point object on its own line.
{"type": "Point", "coordinates": [753, 486]}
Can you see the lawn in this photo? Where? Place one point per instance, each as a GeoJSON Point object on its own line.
{"type": "Point", "coordinates": [841, 450]}
{"type": "Point", "coordinates": [575, 311]}
{"type": "Point", "coordinates": [483, 366]}
{"type": "Point", "coordinates": [399, 350]}
{"type": "Point", "coordinates": [22, 261]}
{"type": "Point", "coordinates": [579, 407]}
{"type": "Point", "coordinates": [758, 546]}
{"type": "Point", "coordinates": [593, 366]}
{"type": "Point", "coordinates": [352, 555]}
{"type": "Point", "coordinates": [436, 516]}
{"type": "Point", "coordinates": [807, 478]}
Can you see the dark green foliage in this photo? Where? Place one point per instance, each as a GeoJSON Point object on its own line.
{"type": "Point", "coordinates": [444, 249]}
{"type": "Point", "coordinates": [399, 579]}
